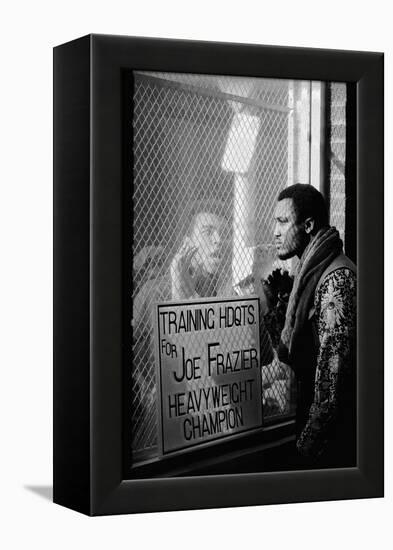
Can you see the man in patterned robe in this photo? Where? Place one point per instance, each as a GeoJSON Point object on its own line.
{"type": "Point", "coordinates": [315, 332]}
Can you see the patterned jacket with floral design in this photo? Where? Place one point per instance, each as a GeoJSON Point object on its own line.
{"type": "Point", "coordinates": [325, 367]}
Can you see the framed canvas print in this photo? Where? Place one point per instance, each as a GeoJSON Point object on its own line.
{"type": "Point", "coordinates": [218, 274]}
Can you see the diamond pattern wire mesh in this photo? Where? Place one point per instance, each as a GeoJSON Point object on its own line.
{"type": "Point", "coordinates": [185, 163]}
{"type": "Point", "coordinates": [337, 115]}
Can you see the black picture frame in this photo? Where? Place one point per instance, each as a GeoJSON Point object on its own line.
{"type": "Point", "coordinates": [89, 209]}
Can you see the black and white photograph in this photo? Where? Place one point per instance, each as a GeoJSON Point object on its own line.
{"type": "Point", "coordinates": [242, 274]}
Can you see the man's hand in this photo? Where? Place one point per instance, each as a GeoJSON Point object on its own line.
{"type": "Point", "coordinates": [183, 276]}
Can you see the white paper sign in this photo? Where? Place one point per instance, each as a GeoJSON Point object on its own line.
{"type": "Point", "coordinates": [208, 371]}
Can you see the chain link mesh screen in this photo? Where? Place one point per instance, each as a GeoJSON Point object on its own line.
{"type": "Point", "coordinates": [203, 144]}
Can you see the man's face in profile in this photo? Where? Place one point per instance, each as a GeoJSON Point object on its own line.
{"type": "Point", "coordinates": [207, 238]}
{"type": "Point", "coordinates": [289, 235]}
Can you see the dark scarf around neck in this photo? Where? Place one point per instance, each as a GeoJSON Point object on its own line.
{"type": "Point", "coordinates": [320, 252]}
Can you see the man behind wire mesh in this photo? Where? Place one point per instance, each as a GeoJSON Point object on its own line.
{"type": "Point", "coordinates": [196, 270]}
{"type": "Point", "coordinates": [199, 269]}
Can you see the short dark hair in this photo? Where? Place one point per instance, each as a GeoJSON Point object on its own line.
{"type": "Point", "coordinates": [308, 202]}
